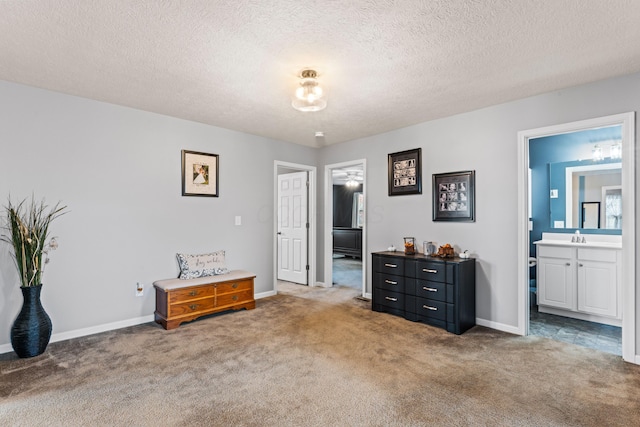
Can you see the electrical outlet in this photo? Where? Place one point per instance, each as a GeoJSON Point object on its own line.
{"type": "Point", "coordinates": [139, 289]}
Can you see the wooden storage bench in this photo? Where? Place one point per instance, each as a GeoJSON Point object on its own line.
{"type": "Point", "coordinates": [180, 300]}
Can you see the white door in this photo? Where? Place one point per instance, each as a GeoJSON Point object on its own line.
{"type": "Point", "coordinates": [556, 283]}
{"type": "Point", "coordinates": [597, 288]}
{"type": "Point", "coordinates": [292, 227]}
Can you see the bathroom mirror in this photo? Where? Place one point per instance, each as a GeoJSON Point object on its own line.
{"type": "Point", "coordinates": [579, 188]}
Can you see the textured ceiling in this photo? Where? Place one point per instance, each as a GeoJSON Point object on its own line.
{"type": "Point", "coordinates": [385, 64]}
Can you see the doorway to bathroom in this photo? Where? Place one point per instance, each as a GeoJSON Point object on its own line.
{"type": "Point", "coordinates": [566, 176]}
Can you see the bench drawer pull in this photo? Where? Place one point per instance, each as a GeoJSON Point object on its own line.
{"type": "Point", "coordinates": [391, 299]}
{"type": "Point", "coordinates": [429, 289]}
{"type": "Point", "coordinates": [235, 297]}
{"type": "Point", "coordinates": [193, 293]}
{"type": "Point", "coordinates": [234, 286]}
{"type": "Point", "coordinates": [391, 282]}
{"type": "Point", "coordinates": [428, 307]}
{"type": "Point", "coordinates": [428, 270]}
{"type": "Point", "coordinates": [193, 306]}
{"type": "Point", "coordinates": [391, 265]}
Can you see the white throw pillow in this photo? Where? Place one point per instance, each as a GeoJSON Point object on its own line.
{"type": "Point", "coordinates": [192, 266]}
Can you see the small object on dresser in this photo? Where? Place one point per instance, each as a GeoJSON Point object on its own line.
{"type": "Point", "coordinates": [429, 248]}
{"type": "Point", "coordinates": [464, 255]}
{"type": "Point", "coordinates": [391, 248]}
{"type": "Point", "coordinates": [445, 251]}
{"type": "Point", "coordinates": [409, 246]}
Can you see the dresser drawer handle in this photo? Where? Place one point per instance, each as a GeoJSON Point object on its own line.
{"type": "Point", "coordinates": [193, 293]}
{"type": "Point", "coordinates": [235, 297]}
{"type": "Point", "coordinates": [391, 282]}
{"type": "Point", "coordinates": [428, 307]}
{"type": "Point", "coordinates": [427, 270]}
{"type": "Point", "coordinates": [391, 265]}
{"type": "Point", "coordinates": [429, 289]}
{"type": "Point", "coordinates": [193, 306]}
{"type": "Point", "coordinates": [235, 285]}
{"type": "Point", "coordinates": [391, 299]}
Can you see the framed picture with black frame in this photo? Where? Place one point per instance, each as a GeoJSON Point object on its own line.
{"type": "Point", "coordinates": [199, 174]}
{"type": "Point", "coordinates": [405, 172]}
{"type": "Point", "coordinates": [454, 196]}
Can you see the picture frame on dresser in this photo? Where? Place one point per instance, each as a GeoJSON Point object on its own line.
{"type": "Point", "coordinates": [454, 196]}
{"type": "Point", "coordinates": [200, 172]}
{"type": "Point", "coordinates": [405, 172]}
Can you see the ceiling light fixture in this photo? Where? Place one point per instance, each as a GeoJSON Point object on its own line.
{"type": "Point", "coordinates": [309, 96]}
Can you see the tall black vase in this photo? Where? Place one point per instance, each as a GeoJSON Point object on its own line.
{"type": "Point", "coordinates": [31, 331]}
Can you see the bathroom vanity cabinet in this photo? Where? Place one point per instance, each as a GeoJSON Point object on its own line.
{"type": "Point", "coordinates": [580, 280]}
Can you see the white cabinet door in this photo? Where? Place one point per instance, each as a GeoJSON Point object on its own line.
{"type": "Point", "coordinates": [556, 284]}
{"type": "Point", "coordinates": [597, 288]}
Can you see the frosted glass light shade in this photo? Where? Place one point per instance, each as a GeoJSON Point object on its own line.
{"type": "Point", "coordinates": [309, 96]}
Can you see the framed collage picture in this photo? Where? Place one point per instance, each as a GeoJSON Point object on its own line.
{"type": "Point", "coordinates": [405, 172]}
{"type": "Point", "coordinates": [199, 174]}
{"type": "Point", "coordinates": [454, 196]}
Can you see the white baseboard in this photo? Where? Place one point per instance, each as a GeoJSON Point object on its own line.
{"type": "Point", "coordinates": [62, 336]}
{"type": "Point", "coordinates": [498, 326]}
{"type": "Point", "coordinates": [265, 294]}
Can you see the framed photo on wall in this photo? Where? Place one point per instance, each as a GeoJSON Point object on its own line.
{"type": "Point", "coordinates": [199, 174]}
{"type": "Point", "coordinates": [405, 172]}
{"type": "Point", "coordinates": [454, 196]}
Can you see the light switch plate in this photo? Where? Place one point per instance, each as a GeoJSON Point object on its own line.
{"type": "Point", "coordinates": [238, 220]}
{"type": "Point", "coordinates": [554, 194]}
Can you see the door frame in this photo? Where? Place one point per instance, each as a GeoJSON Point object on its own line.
{"type": "Point", "coordinates": [627, 121]}
{"type": "Point", "coordinates": [311, 214]}
{"type": "Point", "coordinates": [328, 222]}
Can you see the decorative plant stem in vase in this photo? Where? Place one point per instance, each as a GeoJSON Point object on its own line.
{"type": "Point", "coordinates": [28, 227]}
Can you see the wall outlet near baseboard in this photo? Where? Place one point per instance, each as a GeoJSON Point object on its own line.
{"type": "Point", "coordinates": [139, 289]}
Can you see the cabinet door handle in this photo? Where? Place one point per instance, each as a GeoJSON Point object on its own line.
{"type": "Point", "coordinates": [391, 299]}
{"type": "Point", "coordinates": [391, 282]}
{"type": "Point", "coordinates": [568, 264]}
{"type": "Point", "coordinates": [391, 265]}
{"type": "Point", "coordinates": [580, 265]}
{"type": "Point", "coordinates": [429, 289]}
{"type": "Point", "coordinates": [427, 270]}
{"type": "Point", "coordinates": [428, 307]}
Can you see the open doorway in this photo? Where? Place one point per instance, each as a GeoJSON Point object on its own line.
{"type": "Point", "coordinates": [569, 271]}
{"type": "Point", "coordinates": [345, 213]}
{"type": "Point", "coordinates": [294, 223]}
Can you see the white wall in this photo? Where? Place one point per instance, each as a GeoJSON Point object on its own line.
{"type": "Point", "coordinates": [485, 141]}
{"type": "Point", "coordinates": [118, 170]}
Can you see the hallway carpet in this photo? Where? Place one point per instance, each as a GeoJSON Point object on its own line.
{"type": "Point", "coordinates": [316, 357]}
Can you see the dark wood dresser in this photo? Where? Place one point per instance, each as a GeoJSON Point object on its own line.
{"type": "Point", "coordinates": [440, 292]}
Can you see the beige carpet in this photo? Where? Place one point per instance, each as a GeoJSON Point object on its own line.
{"type": "Point", "coordinates": [316, 357]}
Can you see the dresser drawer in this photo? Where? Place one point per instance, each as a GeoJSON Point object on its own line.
{"type": "Point", "coordinates": [387, 265]}
{"type": "Point", "coordinates": [234, 286]}
{"type": "Point", "coordinates": [191, 307]}
{"type": "Point", "coordinates": [429, 308]}
{"type": "Point", "coordinates": [234, 298]}
{"type": "Point", "coordinates": [191, 293]}
{"type": "Point", "coordinates": [430, 270]}
{"type": "Point", "coordinates": [389, 282]}
{"type": "Point", "coordinates": [394, 300]}
{"type": "Point", "coordinates": [431, 290]}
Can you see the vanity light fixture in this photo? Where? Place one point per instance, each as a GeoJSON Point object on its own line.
{"type": "Point", "coordinates": [616, 150]}
{"type": "Point", "coordinates": [309, 96]}
{"type": "Point", "coordinates": [596, 153]}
